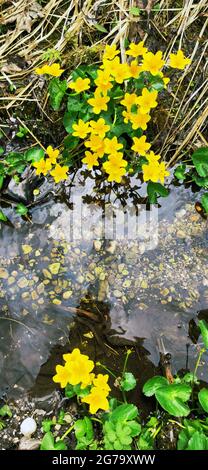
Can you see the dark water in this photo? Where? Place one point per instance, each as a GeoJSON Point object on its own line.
{"type": "Point", "coordinates": [141, 290]}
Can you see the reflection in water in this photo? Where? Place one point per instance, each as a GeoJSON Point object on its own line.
{"type": "Point", "coordinates": [149, 293]}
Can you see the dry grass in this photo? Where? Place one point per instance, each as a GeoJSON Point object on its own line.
{"type": "Point", "coordinates": [29, 28]}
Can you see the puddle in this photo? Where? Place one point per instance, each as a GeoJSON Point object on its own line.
{"type": "Point", "coordinates": [142, 289]}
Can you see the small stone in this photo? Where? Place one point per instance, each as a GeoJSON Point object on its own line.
{"type": "Point", "coordinates": [142, 306]}
{"type": "Point", "coordinates": [34, 295]}
{"type": "Point", "coordinates": [80, 279]}
{"type": "Point", "coordinates": [117, 293]}
{"type": "Point", "coordinates": [22, 282]}
{"type": "Point", "coordinates": [97, 245]}
{"type": "Point", "coordinates": [164, 292]}
{"type": "Point", "coordinates": [54, 268]}
{"type": "Point", "coordinates": [11, 280]}
{"type": "Point", "coordinates": [144, 284]}
{"type": "Point", "coordinates": [112, 247]}
{"type": "Point", "coordinates": [37, 253]}
{"type": "Point", "coordinates": [28, 427]}
{"type": "Point", "coordinates": [127, 283]}
{"type": "Point", "coordinates": [4, 273]}
{"type": "Point", "coordinates": [68, 418]}
{"type": "Point", "coordinates": [36, 192]}
{"type": "Point", "coordinates": [47, 274]}
{"type": "Point", "coordinates": [180, 234]}
{"type": "Point", "coordinates": [121, 267]}
{"type": "Point", "coordinates": [102, 276]}
{"type": "Point", "coordinates": [67, 294]}
{"type": "Point", "coordinates": [26, 249]}
{"type": "Point", "coordinates": [125, 272]}
{"type": "Point", "coordinates": [29, 444]}
{"type": "Point", "coordinates": [56, 301]}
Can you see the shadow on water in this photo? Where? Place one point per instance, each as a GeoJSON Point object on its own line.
{"type": "Point", "coordinates": [103, 295]}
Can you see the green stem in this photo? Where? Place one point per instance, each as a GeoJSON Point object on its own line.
{"type": "Point", "coordinates": [106, 368]}
{"type": "Point", "coordinates": [67, 432]}
{"type": "Point", "coordinates": [125, 362]}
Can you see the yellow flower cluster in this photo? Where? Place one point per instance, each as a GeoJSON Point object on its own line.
{"type": "Point", "coordinates": [44, 166]}
{"type": "Point", "coordinates": [54, 70]}
{"type": "Point", "coordinates": [78, 371]}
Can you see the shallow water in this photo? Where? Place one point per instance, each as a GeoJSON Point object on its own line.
{"type": "Point", "coordinates": [149, 282]}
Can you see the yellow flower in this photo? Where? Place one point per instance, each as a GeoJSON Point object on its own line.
{"type": "Point", "coordinates": [80, 84]}
{"type": "Point", "coordinates": [62, 375]}
{"type": "Point", "coordinates": [151, 172]}
{"type": "Point", "coordinates": [153, 62]}
{"type": "Point", "coordinates": [135, 69]}
{"type": "Point", "coordinates": [165, 79]}
{"type": "Point", "coordinates": [59, 173]}
{"type": "Point", "coordinates": [52, 153]}
{"type": "Point", "coordinates": [43, 166]}
{"type": "Point", "coordinates": [129, 100]}
{"type": "Point", "coordinates": [91, 159]}
{"type": "Point", "coordinates": [110, 52]}
{"type": "Point", "coordinates": [163, 172]}
{"type": "Point", "coordinates": [101, 382]}
{"type": "Point", "coordinates": [140, 145]}
{"type": "Point", "coordinates": [147, 100]}
{"type": "Point", "coordinates": [121, 73]}
{"type": "Point", "coordinates": [178, 60]}
{"type": "Point", "coordinates": [136, 49]}
{"type": "Point", "coordinates": [111, 66]}
{"type": "Point", "coordinates": [139, 120]}
{"type": "Point", "coordinates": [127, 116]}
{"type": "Point", "coordinates": [80, 368]}
{"type": "Point", "coordinates": [99, 127]}
{"type": "Point", "coordinates": [89, 381]}
{"type": "Point", "coordinates": [116, 168]}
{"type": "Point", "coordinates": [53, 70]}
{"type": "Point", "coordinates": [152, 158]}
{"type": "Point", "coordinates": [103, 81]}
{"type": "Point", "coordinates": [81, 129]}
{"type": "Point", "coordinates": [99, 102]}
{"type": "Point", "coordinates": [112, 146]}
{"type": "Point", "coordinates": [97, 400]}
{"type": "Point", "coordinates": [96, 144]}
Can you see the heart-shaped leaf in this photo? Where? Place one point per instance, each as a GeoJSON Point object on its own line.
{"type": "Point", "coordinates": [153, 384]}
{"type": "Point", "coordinates": [198, 442]}
{"type": "Point", "coordinates": [124, 412]}
{"type": "Point", "coordinates": [200, 161]}
{"type": "Point", "coordinates": [128, 382]}
{"type": "Point", "coordinates": [179, 172]}
{"type": "Point", "coordinates": [34, 154]}
{"type": "Point", "coordinates": [154, 190]}
{"type": "Point", "coordinates": [172, 398]}
{"type": "Point", "coordinates": [203, 399]}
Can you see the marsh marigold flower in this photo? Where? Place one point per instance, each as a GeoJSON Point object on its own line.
{"type": "Point", "coordinates": [135, 69]}
{"type": "Point", "coordinates": [80, 84]}
{"type": "Point", "coordinates": [178, 60]}
{"type": "Point", "coordinates": [163, 172]}
{"type": "Point", "coordinates": [147, 100]}
{"type": "Point", "coordinates": [136, 49]}
{"type": "Point", "coordinates": [99, 127]}
{"type": "Point", "coordinates": [97, 399]}
{"type": "Point", "coordinates": [99, 102]}
{"type": "Point", "coordinates": [152, 158]}
{"type": "Point", "coordinates": [52, 153]}
{"type": "Point", "coordinates": [62, 376]}
{"type": "Point", "coordinates": [129, 100]}
{"type": "Point", "coordinates": [139, 120]}
{"type": "Point", "coordinates": [101, 381]}
{"type": "Point", "coordinates": [42, 167]}
{"type": "Point", "coordinates": [103, 81]}
{"type": "Point", "coordinates": [81, 129]}
{"type": "Point", "coordinates": [90, 159]}
{"type": "Point", "coordinates": [54, 70]}
{"type": "Point", "coordinates": [96, 144]}
{"type": "Point", "coordinates": [110, 52]}
{"type": "Point", "coordinates": [127, 116]}
{"type": "Point", "coordinates": [151, 171]}
{"type": "Point", "coordinates": [111, 65]}
{"type": "Point", "coordinates": [115, 166]}
{"type": "Point", "coordinates": [140, 145]}
{"type": "Point", "coordinates": [80, 368]}
{"type": "Point", "coordinates": [112, 146]}
{"type": "Point", "coordinates": [121, 73]}
{"type": "Point", "coordinates": [153, 62]}
{"type": "Point", "coordinates": [59, 173]}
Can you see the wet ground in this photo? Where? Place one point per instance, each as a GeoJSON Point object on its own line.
{"type": "Point", "coordinates": [61, 270]}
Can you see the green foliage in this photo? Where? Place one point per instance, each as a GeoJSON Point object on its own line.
{"type": "Point", "coordinates": [153, 384]}
{"type": "Point", "coordinates": [154, 190]}
{"type": "Point", "coordinates": [194, 436]}
{"type": "Point", "coordinates": [200, 161]}
{"type": "Point", "coordinates": [128, 382]}
{"type": "Point", "coordinates": [3, 217]}
{"type": "Point", "coordinates": [34, 154]}
{"type": "Point", "coordinates": [5, 411]}
{"type": "Point", "coordinates": [203, 399]}
{"type": "Point", "coordinates": [121, 427]}
{"type": "Point", "coordinates": [22, 132]}
{"type": "Point", "coordinates": [48, 443]}
{"type": "Point", "coordinates": [57, 89]}
{"type": "Point", "coordinates": [203, 325]}
{"type": "Point", "coordinates": [204, 201]}
{"type": "Point", "coordinates": [179, 173]}
{"type": "Point", "coordinates": [84, 433]}
{"type": "Point", "coordinates": [21, 209]}
{"type": "Point", "coordinates": [171, 397]}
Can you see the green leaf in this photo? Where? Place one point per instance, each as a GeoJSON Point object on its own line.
{"type": "Point", "coordinates": [200, 161]}
{"type": "Point", "coordinates": [198, 442]}
{"type": "Point", "coordinates": [183, 440]}
{"type": "Point", "coordinates": [179, 172]}
{"type": "Point", "coordinates": [100, 28]}
{"type": "Point", "coordinates": [21, 209]}
{"type": "Point", "coordinates": [153, 384]}
{"type": "Point", "coordinates": [128, 382]}
{"type": "Point", "coordinates": [135, 428]}
{"type": "Point", "coordinates": [1, 150]}
{"type": "Point", "coordinates": [71, 142]}
{"type": "Point", "coordinates": [124, 412]}
{"type": "Point", "coordinates": [3, 217]}
{"type": "Point", "coordinates": [134, 11]}
{"type": "Point", "coordinates": [47, 442]}
{"type": "Point", "coordinates": [68, 120]}
{"type": "Point", "coordinates": [201, 182]}
{"type": "Point", "coordinates": [60, 445]}
{"type": "Point", "coordinates": [5, 411]}
{"type": "Point", "coordinates": [46, 424]}
{"type": "Point", "coordinates": [57, 89]}
{"type": "Point", "coordinates": [1, 181]}
{"type": "Point", "coordinates": [81, 392]}
{"type": "Point", "coordinates": [75, 104]}
{"type": "Point", "coordinates": [156, 82]}
{"type": "Point", "coordinates": [146, 440]}
{"type": "Point", "coordinates": [154, 190]}
{"type": "Point", "coordinates": [203, 399]}
{"type": "Point", "coordinates": [203, 325]}
{"type": "Point", "coordinates": [204, 202]}
{"type": "Point", "coordinates": [34, 154]}
{"type": "Point", "coordinates": [172, 398]}
{"type": "Point", "coordinates": [69, 391]}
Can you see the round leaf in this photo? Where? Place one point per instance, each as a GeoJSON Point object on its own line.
{"type": "Point", "coordinates": [203, 399]}
{"type": "Point", "coordinates": [172, 398]}
{"type": "Point", "coordinates": [153, 384]}
{"type": "Point", "coordinates": [203, 325]}
{"type": "Point", "coordinates": [128, 382]}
